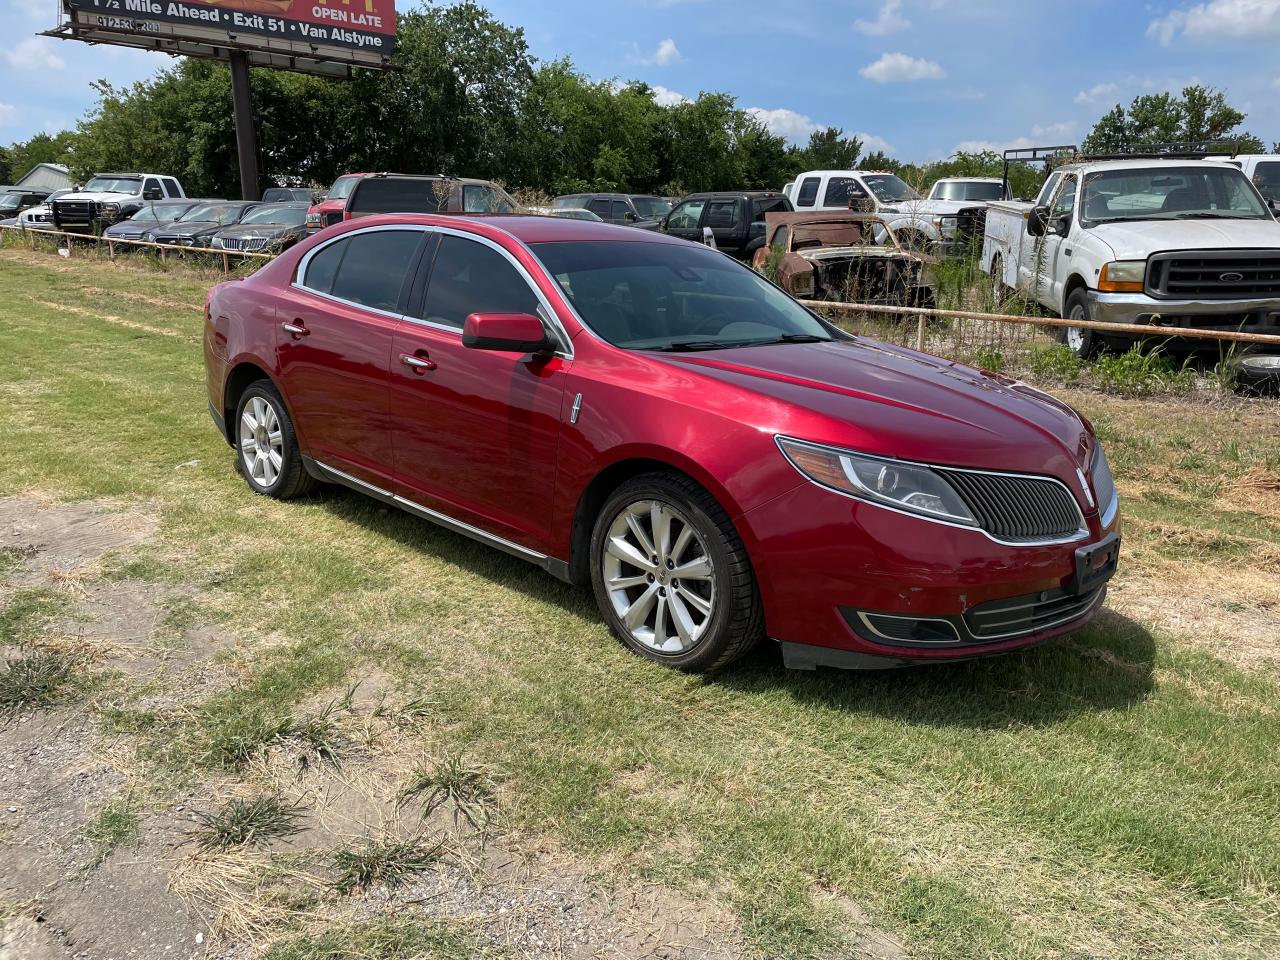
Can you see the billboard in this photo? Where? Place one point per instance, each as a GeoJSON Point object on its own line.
{"type": "Point", "coordinates": [315, 36]}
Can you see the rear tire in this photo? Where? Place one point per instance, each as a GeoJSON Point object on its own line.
{"type": "Point", "coordinates": [999, 291]}
{"type": "Point", "coordinates": [267, 451]}
{"type": "Point", "coordinates": [651, 528]}
{"type": "Point", "coordinates": [1084, 343]}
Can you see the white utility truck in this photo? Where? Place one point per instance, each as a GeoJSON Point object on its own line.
{"type": "Point", "coordinates": [1174, 243]}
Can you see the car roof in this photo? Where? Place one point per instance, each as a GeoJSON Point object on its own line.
{"type": "Point", "coordinates": [526, 228]}
{"type": "Point", "coordinates": [745, 194]}
{"type": "Point", "coordinates": [968, 180]}
{"type": "Point", "coordinates": [1140, 164]}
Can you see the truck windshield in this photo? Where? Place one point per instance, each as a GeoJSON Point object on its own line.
{"type": "Point", "coordinates": [342, 188]}
{"type": "Point", "coordinates": [113, 185]}
{"type": "Point", "coordinates": [1170, 193]}
{"type": "Point", "coordinates": [967, 190]}
{"type": "Point", "coordinates": [675, 297]}
{"type": "Point", "coordinates": [889, 188]}
{"type": "Point", "coordinates": [160, 212]}
{"type": "Point", "coordinates": [652, 208]}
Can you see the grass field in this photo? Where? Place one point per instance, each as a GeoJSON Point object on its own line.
{"type": "Point", "coordinates": [1112, 795]}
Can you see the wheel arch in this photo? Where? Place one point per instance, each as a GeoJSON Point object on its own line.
{"type": "Point", "coordinates": [613, 475]}
{"type": "Point", "coordinates": [237, 381]}
{"type": "Point", "coordinates": [1074, 282]}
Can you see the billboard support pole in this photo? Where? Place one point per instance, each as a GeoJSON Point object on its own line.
{"type": "Point", "coordinates": [246, 140]}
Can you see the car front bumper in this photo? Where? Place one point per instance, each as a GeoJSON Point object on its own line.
{"type": "Point", "coordinates": [849, 584]}
{"type": "Point", "coordinates": [1250, 316]}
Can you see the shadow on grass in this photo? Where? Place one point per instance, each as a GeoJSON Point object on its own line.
{"type": "Point", "coordinates": [1107, 666]}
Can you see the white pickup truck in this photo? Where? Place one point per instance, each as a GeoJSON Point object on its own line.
{"type": "Point", "coordinates": [1171, 243]}
{"type": "Point", "coordinates": [111, 197]}
{"type": "Point", "coordinates": [916, 222]}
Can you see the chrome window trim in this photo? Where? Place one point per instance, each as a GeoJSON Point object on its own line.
{"type": "Point", "coordinates": [435, 516]}
{"type": "Point", "coordinates": [1081, 533]}
{"type": "Point", "coordinates": [550, 318]}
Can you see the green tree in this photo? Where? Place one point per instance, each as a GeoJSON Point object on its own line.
{"type": "Point", "coordinates": [41, 148]}
{"type": "Point", "coordinates": [1200, 115]}
{"type": "Point", "coordinates": [830, 149]}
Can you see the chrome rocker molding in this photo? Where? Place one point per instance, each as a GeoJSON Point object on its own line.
{"type": "Point", "coordinates": [557, 568]}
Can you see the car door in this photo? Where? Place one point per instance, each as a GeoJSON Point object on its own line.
{"type": "Point", "coordinates": [1054, 257]}
{"type": "Point", "coordinates": [724, 219]}
{"type": "Point", "coordinates": [336, 325]}
{"type": "Point", "coordinates": [474, 432]}
{"type": "Point", "coordinates": [602, 207]}
{"type": "Point", "coordinates": [685, 220]}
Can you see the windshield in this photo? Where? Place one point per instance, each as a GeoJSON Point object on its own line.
{"type": "Point", "coordinates": [10, 201]}
{"type": "Point", "coordinates": [652, 208]}
{"type": "Point", "coordinates": [160, 212]}
{"type": "Point", "coordinates": [666, 296]}
{"type": "Point", "coordinates": [889, 188]}
{"type": "Point", "coordinates": [1170, 193]}
{"type": "Point", "coordinates": [286, 216]}
{"type": "Point", "coordinates": [220, 212]}
{"type": "Point", "coordinates": [113, 185]}
{"type": "Point", "coordinates": [342, 188]}
{"type": "Point", "coordinates": [967, 190]}
{"type": "Point", "coordinates": [1267, 179]}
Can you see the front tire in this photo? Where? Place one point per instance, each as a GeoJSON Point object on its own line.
{"type": "Point", "coordinates": [1084, 343]}
{"type": "Point", "coordinates": [671, 576]}
{"type": "Point", "coordinates": [266, 445]}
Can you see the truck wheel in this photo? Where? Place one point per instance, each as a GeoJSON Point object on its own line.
{"type": "Point", "coordinates": [998, 289]}
{"type": "Point", "coordinates": [913, 241]}
{"type": "Point", "coordinates": [1083, 342]}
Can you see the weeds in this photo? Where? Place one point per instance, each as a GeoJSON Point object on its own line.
{"type": "Point", "coordinates": [467, 789]}
{"type": "Point", "coordinates": [1057, 363]}
{"type": "Point", "coordinates": [116, 825]}
{"type": "Point", "coordinates": [988, 358]}
{"type": "Point", "coordinates": [389, 862]}
{"type": "Point", "coordinates": [235, 730]}
{"type": "Point", "coordinates": [382, 938]}
{"type": "Point", "coordinates": [12, 559]}
{"type": "Point", "coordinates": [33, 681]}
{"type": "Point", "coordinates": [256, 821]}
{"type": "Point", "coordinates": [1139, 372]}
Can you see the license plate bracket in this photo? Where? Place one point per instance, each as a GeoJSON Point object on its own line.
{"type": "Point", "coordinates": [1095, 565]}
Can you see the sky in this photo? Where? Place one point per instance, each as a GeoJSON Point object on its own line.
{"type": "Point", "coordinates": [919, 79]}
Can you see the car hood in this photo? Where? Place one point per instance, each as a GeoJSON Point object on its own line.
{"type": "Point", "coordinates": [935, 208]}
{"type": "Point", "coordinates": [188, 228]}
{"type": "Point", "coordinates": [895, 402]}
{"type": "Point", "coordinates": [100, 197]}
{"type": "Point", "coordinates": [1136, 240]}
{"type": "Point", "coordinates": [266, 231]}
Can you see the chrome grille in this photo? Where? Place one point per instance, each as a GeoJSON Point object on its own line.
{"type": "Point", "coordinates": [1214, 274]}
{"type": "Point", "coordinates": [240, 243]}
{"type": "Point", "coordinates": [1027, 614]}
{"type": "Point", "coordinates": [1016, 508]}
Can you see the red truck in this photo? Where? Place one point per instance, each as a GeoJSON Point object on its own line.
{"type": "Point", "coordinates": [329, 210]}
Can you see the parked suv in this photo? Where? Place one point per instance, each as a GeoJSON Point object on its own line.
{"type": "Point", "coordinates": [111, 197]}
{"type": "Point", "coordinates": [630, 209]}
{"type": "Point", "coordinates": [424, 193]}
{"type": "Point", "coordinates": [644, 415]}
{"type": "Point", "coordinates": [735, 219]}
{"type": "Point", "coordinates": [16, 200]}
{"type": "Point", "coordinates": [329, 209]}
{"type": "Point", "coordinates": [197, 226]}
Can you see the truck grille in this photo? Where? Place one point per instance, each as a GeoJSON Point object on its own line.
{"type": "Point", "coordinates": [1027, 614]}
{"type": "Point", "coordinates": [332, 217]}
{"type": "Point", "coordinates": [1214, 274]}
{"type": "Point", "coordinates": [1018, 508]}
{"type": "Point", "coordinates": [73, 213]}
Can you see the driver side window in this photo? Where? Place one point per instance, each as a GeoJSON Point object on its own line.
{"type": "Point", "coordinates": [1065, 201]}
{"type": "Point", "coordinates": [686, 216]}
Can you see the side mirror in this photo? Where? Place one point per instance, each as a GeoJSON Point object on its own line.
{"type": "Point", "coordinates": [1275, 207]}
{"type": "Point", "coordinates": [1038, 221]}
{"type": "Point", "coordinates": [1060, 225]}
{"type": "Point", "coordinates": [663, 222]}
{"type": "Point", "coordinates": [506, 332]}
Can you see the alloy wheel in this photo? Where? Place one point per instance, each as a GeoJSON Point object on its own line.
{"type": "Point", "coordinates": [261, 442]}
{"type": "Point", "coordinates": [659, 577]}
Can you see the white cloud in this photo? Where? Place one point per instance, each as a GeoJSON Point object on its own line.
{"type": "Point", "coordinates": [784, 123]}
{"type": "Point", "coordinates": [1050, 135]}
{"type": "Point", "coordinates": [871, 143]}
{"type": "Point", "coordinates": [1059, 130]}
{"type": "Point", "coordinates": [667, 98]}
{"type": "Point", "coordinates": [898, 68]}
{"type": "Point", "coordinates": [1097, 93]}
{"type": "Point", "coordinates": [1219, 20]}
{"type": "Point", "coordinates": [33, 54]}
{"type": "Point", "coordinates": [7, 112]}
{"type": "Point", "coordinates": [664, 55]}
{"type": "Point", "coordinates": [889, 21]}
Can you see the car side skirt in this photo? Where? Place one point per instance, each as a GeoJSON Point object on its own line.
{"type": "Point", "coordinates": [556, 567]}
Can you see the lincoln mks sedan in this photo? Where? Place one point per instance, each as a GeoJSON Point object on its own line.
{"type": "Point", "coordinates": [648, 417]}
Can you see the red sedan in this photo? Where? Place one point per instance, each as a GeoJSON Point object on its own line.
{"type": "Point", "coordinates": [646, 415]}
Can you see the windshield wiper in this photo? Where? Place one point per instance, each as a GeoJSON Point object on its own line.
{"type": "Point", "coordinates": [788, 338]}
{"type": "Point", "coordinates": [1213, 215]}
{"type": "Point", "coordinates": [689, 346]}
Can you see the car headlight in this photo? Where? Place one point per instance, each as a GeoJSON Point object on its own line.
{"type": "Point", "coordinates": [1122, 276]}
{"type": "Point", "coordinates": [109, 209]}
{"type": "Point", "coordinates": [314, 220]}
{"type": "Point", "coordinates": [892, 483]}
{"type": "Point", "coordinates": [216, 243]}
{"type": "Point", "coordinates": [1104, 484]}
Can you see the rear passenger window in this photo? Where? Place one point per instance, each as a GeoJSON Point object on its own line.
{"type": "Point", "coordinates": [840, 190]}
{"type": "Point", "coordinates": [600, 208]}
{"type": "Point", "coordinates": [171, 185]}
{"type": "Point", "coordinates": [469, 277]}
{"type": "Point", "coordinates": [808, 192]}
{"type": "Point", "coordinates": [723, 214]}
{"type": "Point", "coordinates": [368, 268]}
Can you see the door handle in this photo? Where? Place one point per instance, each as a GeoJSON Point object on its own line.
{"type": "Point", "coordinates": [297, 329]}
{"type": "Point", "coordinates": [417, 364]}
